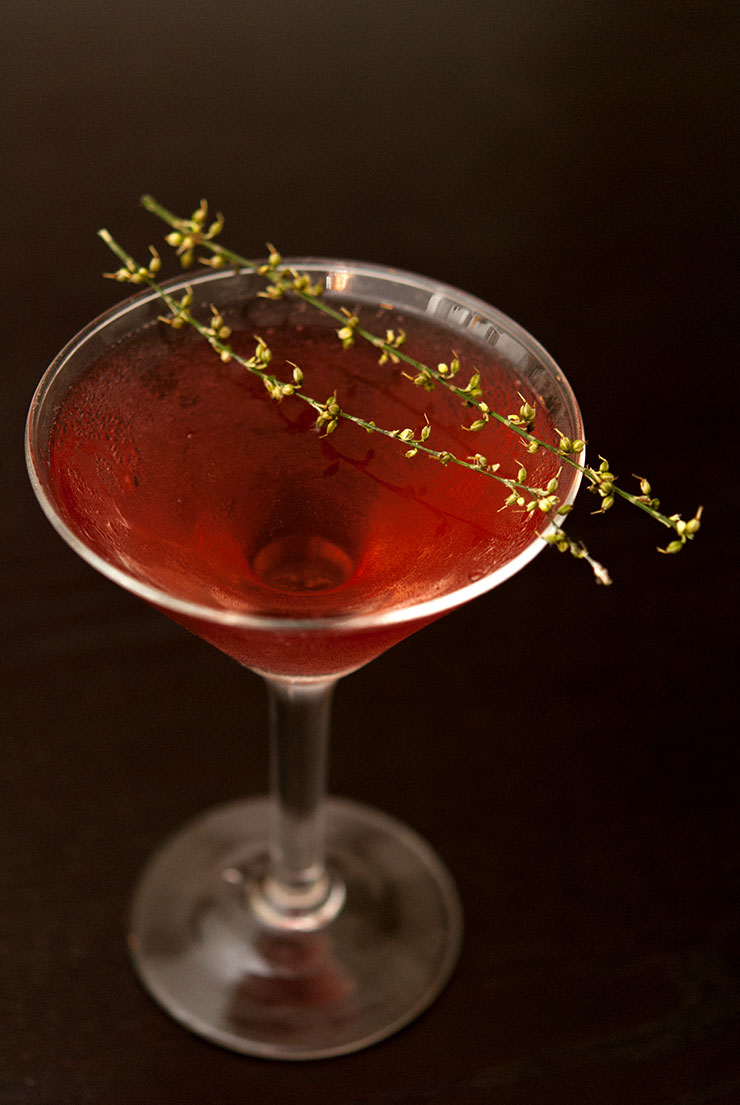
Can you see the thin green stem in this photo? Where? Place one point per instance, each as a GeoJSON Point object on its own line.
{"type": "Point", "coordinates": [329, 412]}
{"type": "Point", "coordinates": [190, 234]}
{"type": "Point", "coordinates": [590, 474]}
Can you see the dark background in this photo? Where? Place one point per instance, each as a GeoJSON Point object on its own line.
{"type": "Point", "coordinates": [567, 748]}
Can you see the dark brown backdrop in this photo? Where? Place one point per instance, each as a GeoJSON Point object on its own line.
{"type": "Point", "coordinates": [568, 749]}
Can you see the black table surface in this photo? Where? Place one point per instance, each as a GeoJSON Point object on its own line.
{"type": "Point", "coordinates": [567, 748]}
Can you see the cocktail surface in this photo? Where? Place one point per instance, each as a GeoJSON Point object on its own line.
{"type": "Point", "coordinates": [183, 472]}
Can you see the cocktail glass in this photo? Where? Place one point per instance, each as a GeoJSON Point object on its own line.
{"type": "Point", "coordinates": [292, 926]}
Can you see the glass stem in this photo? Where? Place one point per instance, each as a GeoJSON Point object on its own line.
{"type": "Point", "coordinates": [298, 891]}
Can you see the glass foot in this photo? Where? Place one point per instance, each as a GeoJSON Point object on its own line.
{"type": "Point", "coordinates": [219, 968]}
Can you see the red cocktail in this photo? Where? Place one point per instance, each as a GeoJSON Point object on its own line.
{"type": "Point", "coordinates": [303, 555]}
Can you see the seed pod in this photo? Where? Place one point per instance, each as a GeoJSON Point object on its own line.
{"type": "Point", "coordinates": [674, 547]}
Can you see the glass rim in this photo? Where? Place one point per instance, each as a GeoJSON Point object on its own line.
{"type": "Point", "coordinates": [424, 609]}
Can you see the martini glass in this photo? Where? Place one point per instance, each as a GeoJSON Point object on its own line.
{"type": "Point", "coordinates": [293, 926]}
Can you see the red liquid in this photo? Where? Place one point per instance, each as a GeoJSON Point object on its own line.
{"type": "Point", "coordinates": [183, 472]}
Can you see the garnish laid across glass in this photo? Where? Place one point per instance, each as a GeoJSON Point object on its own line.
{"type": "Point", "coordinates": [303, 536]}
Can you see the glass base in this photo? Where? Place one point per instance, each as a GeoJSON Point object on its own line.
{"type": "Point", "coordinates": [218, 967]}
